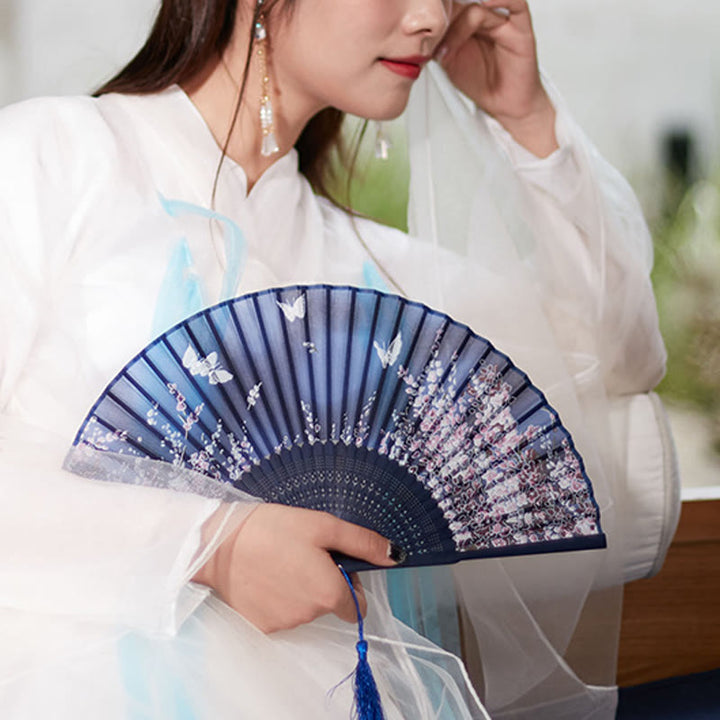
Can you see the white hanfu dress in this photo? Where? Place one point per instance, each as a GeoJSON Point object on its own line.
{"type": "Point", "coordinates": [108, 236]}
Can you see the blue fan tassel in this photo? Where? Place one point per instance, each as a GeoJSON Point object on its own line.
{"type": "Point", "coordinates": [367, 697]}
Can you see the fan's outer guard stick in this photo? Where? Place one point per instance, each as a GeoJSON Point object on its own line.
{"type": "Point", "coordinates": [585, 542]}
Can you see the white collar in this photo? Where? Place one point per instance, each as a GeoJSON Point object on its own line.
{"type": "Point", "coordinates": [175, 122]}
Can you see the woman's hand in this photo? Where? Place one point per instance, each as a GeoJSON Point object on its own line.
{"type": "Point", "coordinates": [490, 55]}
{"type": "Point", "coordinates": [277, 572]}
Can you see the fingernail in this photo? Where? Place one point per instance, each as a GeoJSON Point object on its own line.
{"type": "Point", "coordinates": [441, 52]}
{"type": "Point", "coordinates": [396, 553]}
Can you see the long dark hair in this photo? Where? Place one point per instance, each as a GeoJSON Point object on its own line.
{"type": "Point", "coordinates": [188, 35]}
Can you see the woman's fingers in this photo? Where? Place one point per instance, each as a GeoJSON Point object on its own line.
{"type": "Point", "coordinates": [356, 541]}
{"type": "Point", "coordinates": [514, 7]}
{"type": "Point", "coordinates": [505, 21]}
{"type": "Point", "coordinates": [276, 569]}
{"type": "Point", "coordinates": [516, 11]}
{"type": "Point", "coordinates": [489, 54]}
{"type": "Point", "coordinates": [469, 21]}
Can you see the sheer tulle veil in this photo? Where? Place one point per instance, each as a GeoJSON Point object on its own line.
{"type": "Point", "coordinates": [539, 634]}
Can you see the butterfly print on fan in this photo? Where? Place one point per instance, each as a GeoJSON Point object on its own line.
{"type": "Point", "coordinates": [390, 354]}
{"type": "Point", "coordinates": [205, 366]}
{"type": "Point", "coordinates": [294, 310]}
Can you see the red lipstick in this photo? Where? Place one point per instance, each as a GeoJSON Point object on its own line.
{"type": "Point", "coordinates": [408, 67]}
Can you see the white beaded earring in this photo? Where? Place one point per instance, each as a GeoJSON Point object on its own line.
{"type": "Point", "coordinates": [267, 121]}
{"type": "Point", "coordinates": [383, 144]}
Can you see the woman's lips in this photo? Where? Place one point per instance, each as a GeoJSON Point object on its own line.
{"type": "Point", "coordinates": [408, 67]}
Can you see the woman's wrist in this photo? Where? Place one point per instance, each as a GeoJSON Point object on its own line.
{"type": "Point", "coordinates": [205, 575]}
{"type": "Point", "coordinates": [218, 534]}
{"type": "Point", "coordinates": [535, 130]}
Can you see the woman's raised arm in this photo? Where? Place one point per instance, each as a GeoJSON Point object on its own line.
{"type": "Point", "coordinates": [489, 53]}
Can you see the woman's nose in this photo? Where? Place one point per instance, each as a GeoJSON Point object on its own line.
{"type": "Point", "coordinates": [427, 17]}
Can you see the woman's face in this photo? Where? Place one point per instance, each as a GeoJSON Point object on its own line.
{"type": "Point", "coordinates": [360, 56]}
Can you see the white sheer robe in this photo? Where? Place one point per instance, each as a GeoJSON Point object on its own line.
{"type": "Point", "coordinates": [104, 230]}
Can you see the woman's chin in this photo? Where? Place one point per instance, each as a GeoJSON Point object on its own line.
{"type": "Point", "coordinates": [382, 111]}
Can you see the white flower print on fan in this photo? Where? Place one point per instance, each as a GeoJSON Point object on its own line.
{"type": "Point", "coordinates": [253, 396]}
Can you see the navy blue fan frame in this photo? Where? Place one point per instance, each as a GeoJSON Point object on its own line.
{"type": "Point", "coordinates": [375, 408]}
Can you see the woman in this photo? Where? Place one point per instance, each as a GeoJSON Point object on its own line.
{"type": "Point", "coordinates": [178, 187]}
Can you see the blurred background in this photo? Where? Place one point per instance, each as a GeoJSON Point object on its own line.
{"type": "Point", "coordinates": [643, 79]}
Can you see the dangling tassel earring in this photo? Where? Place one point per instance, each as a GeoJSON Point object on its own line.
{"type": "Point", "coordinates": [267, 121]}
{"type": "Point", "coordinates": [383, 144]}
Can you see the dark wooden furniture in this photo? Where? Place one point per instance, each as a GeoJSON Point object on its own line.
{"type": "Point", "coordinates": [671, 623]}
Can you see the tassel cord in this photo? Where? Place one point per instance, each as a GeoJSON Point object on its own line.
{"type": "Point", "coordinates": [367, 704]}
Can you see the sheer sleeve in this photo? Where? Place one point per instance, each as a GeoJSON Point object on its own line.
{"type": "Point", "coordinates": [593, 229]}
{"type": "Point", "coordinates": [553, 261]}
{"type": "Point", "coordinates": [71, 546]}
{"type": "Point", "coordinates": [590, 217]}
{"type": "Point", "coordinates": [567, 227]}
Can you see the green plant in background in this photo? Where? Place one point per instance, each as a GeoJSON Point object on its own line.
{"type": "Point", "coordinates": [686, 278]}
{"type": "Point", "coordinates": [380, 187]}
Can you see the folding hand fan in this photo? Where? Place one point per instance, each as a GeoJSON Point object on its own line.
{"type": "Point", "coordinates": [377, 409]}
